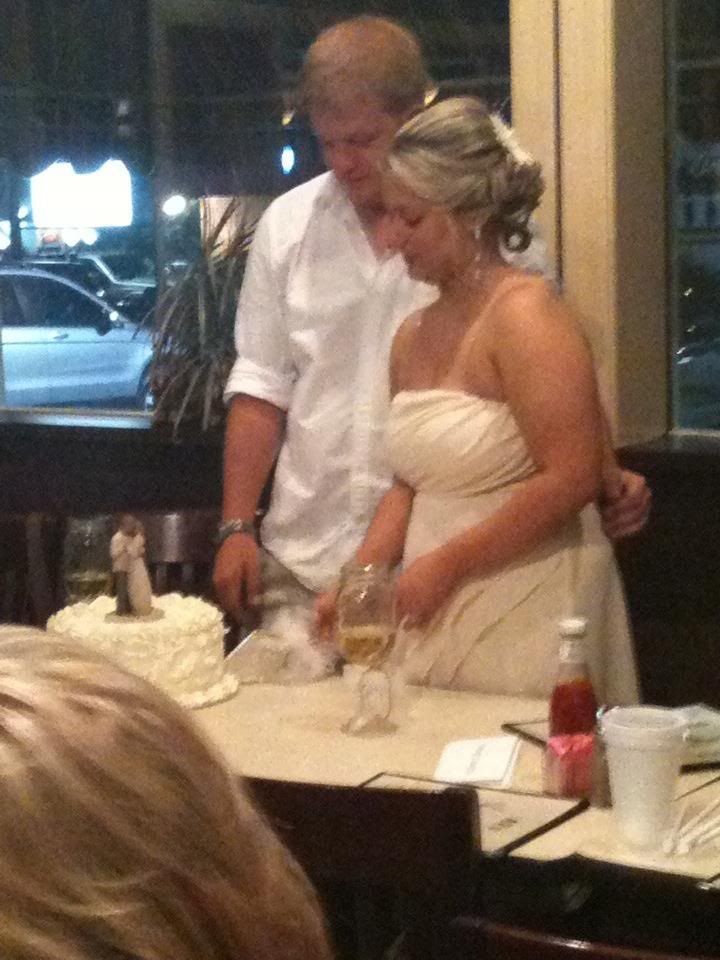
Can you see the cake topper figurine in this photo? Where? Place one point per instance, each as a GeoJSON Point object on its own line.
{"type": "Point", "coordinates": [132, 582]}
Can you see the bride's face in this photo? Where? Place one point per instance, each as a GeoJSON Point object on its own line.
{"type": "Point", "coordinates": [429, 238]}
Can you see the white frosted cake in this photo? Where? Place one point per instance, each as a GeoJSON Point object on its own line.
{"type": "Point", "coordinates": [181, 652]}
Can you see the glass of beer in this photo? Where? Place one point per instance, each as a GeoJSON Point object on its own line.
{"type": "Point", "coordinates": [87, 571]}
{"type": "Point", "coordinates": [365, 635]}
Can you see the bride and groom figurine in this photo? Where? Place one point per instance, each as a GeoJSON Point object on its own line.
{"type": "Point", "coordinates": [132, 583]}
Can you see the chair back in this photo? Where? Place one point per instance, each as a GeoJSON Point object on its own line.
{"type": "Point", "coordinates": [417, 848]}
{"type": "Point", "coordinates": [30, 548]}
{"type": "Point", "coordinates": [505, 942]}
{"type": "Point", "coordinates": [179, 549]}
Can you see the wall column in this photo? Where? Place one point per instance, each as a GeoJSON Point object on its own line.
{"type": "Point", "coordinates": [608, 176]}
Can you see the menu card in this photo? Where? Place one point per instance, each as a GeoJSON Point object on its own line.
{"type": "Point", "coordinates": [702, 743]}
{"type": "Point", "coordinates": [486, 760]}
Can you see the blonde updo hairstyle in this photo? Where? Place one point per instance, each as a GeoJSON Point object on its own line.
{"type": "Point", "coordinates": [458, 155]}
{"type": "Point", "coordinates": [364, 56]}
{"type": "Point", "coordinates": [122, 835]}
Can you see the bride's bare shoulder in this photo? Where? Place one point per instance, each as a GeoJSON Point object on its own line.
{"type": "Point", "coordinates": [529, 304]}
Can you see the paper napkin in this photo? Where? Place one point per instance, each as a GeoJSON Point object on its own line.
{"type": "Point", "coordinates": [488, 760]}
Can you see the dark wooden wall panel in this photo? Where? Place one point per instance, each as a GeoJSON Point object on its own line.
{"type": "Point", "coordinates": [672, 571]}
{"type": "Point", "coordinates": [93, 469]}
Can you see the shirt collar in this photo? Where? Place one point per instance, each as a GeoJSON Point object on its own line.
{"type": "Point", "coordinates": [331, 193]}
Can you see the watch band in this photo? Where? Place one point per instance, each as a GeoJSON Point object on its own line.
{"type": "Point", "coordinates": [230, 527]}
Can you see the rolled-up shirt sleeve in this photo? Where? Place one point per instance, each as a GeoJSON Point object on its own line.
{"type": "Point", "coordinates": [263, 367]}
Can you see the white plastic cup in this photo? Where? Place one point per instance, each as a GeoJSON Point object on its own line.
{"type": "Point", "coordinates": [644, 753]}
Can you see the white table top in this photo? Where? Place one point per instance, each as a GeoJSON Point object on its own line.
{"type": "Point", "coordinates": [294, 733]}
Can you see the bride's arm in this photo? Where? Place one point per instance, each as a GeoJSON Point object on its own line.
{"type": "Point", "coordinates": [547, 378]}
{"type": "Point", "coordinates": [384, 541]}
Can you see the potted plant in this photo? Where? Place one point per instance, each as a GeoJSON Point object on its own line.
{"type": "Point", "coordinates": [194, 326]}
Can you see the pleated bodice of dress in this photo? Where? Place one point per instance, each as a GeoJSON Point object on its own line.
{"type": "Point", "coordinates": [464, 456]}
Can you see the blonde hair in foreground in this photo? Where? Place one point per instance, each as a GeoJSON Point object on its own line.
{"type": "Point", "coordinates": [122, 835]}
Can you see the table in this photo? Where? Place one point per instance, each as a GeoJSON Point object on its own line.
{"type": "Point", "coordinates": [293, 733]}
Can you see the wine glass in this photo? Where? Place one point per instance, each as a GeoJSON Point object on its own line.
{"type": "Point", "coordinates": [365, 635]}
{"type": "Point", "coordinates": [87, 571]}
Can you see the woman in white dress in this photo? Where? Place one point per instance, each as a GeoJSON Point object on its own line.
{"type": "Point", "coordinates": [495, 432]}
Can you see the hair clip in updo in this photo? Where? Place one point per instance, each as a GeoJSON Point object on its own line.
{"type": "Point", "coordinates": [506, 138]}
{"type": "Point", "coordinates": [517, 240]}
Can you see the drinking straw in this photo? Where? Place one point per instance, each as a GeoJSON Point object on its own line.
{"type": "Point", "coordinates": [670, 841]}
{"type": "Point", "coordinates": [705, 830]}
{"type": "Point", "coordinates": [694, 821]}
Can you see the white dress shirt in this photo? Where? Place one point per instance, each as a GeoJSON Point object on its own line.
{"type": "Point", "coordinates": [316, 318]}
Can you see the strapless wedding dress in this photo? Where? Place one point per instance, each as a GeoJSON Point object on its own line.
{"type": "Point", "coordinates": [465, 456]}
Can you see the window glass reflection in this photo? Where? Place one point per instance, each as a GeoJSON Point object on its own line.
{"type": "Point", "coordinates": [694, 116]}
{"type": "Point", "coordinates": [191, 103]}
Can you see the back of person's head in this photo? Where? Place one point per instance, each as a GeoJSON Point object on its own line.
{"type": "Point", "coordinates": [122, 834]}
{"type": "Point", "coordinates": [459, 155]}
{"type": "Point", "coordinates": [364, 56]}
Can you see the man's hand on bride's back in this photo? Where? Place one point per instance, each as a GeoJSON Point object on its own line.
{"type": "Point", "coordinates": [625, 503]}
{"type": "Point", "coordinates": [422, 588]}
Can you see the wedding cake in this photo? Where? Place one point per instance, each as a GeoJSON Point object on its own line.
{"type": "Point", "coordinates": [180, 649]}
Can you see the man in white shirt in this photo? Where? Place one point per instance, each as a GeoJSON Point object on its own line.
{"type": "Point", "coordinates": [317, 313]}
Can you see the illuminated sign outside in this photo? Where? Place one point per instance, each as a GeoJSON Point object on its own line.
{"type": "Point", "coordinates": [63, 198]}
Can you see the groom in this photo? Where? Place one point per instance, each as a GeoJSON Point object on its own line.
{"type": "Point", "coordinates": [318, 309]}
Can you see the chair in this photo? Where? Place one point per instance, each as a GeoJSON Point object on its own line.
{"type": "Point", "coordinates": [503, 942]}
{"type": "Point", "coordinates": [409, 850]}
{"type": "Point", "coordinates": [29, 568]}
{"type": "Point", "coordinates": [179, 549]}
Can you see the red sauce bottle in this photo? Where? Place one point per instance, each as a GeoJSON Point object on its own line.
{"type": "Point", "coordinates": [573, 710]}
{"type": "Point", "coordinates": [573, 706]}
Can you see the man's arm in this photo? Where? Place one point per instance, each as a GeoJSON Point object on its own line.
{"type": "Point", "coordinates": [259, 389]}
{"type": "Point", "coordinates": [252, 437]}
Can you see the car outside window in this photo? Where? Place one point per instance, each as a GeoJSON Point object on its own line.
{"type": "Point", "coordinates": [50, 304]}
{"type": "Point", "coordinates": [10, 313]}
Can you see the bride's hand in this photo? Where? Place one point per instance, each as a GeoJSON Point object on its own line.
{"type": "Point", "coordinates": [422, 588]}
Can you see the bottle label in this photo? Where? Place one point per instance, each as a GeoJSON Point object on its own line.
{"type": "Point", "coordinates": [567, 768]}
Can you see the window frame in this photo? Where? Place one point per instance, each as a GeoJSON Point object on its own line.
{"type": "Point", "coordinates": [585, 78]}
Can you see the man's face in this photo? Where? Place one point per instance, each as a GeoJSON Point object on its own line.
{"type": "Point", "coordinates": [355, 138]}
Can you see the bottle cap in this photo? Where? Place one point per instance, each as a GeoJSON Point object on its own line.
{"type": "Point", "coordinates": [573, 627]}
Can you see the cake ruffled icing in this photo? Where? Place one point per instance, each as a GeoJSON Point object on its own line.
{"type": "Point", "coordinates": [182, 652]}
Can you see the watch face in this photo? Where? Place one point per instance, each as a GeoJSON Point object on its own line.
{"type": "Point", "coordinates": [229, 527]}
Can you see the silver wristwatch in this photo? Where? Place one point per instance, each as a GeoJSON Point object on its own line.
{"type": "Point", "coordinates": [229, 527]}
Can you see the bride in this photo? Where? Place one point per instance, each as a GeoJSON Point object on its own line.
{"type": "Point", "coordinates": [495, 432]}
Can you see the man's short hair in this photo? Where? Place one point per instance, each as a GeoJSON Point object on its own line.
{"type": "Point", "coordinates": [364, 56]}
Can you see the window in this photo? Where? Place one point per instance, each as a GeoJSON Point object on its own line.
{"type": "Point", "coordinates": [126, 122]}
{"type": "Point", "coordinates": [694, 122]}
